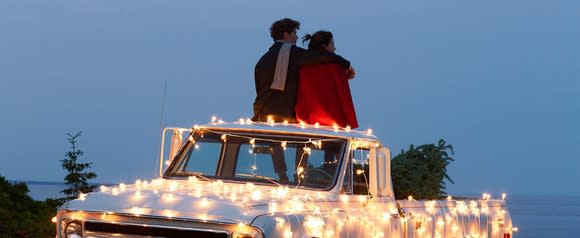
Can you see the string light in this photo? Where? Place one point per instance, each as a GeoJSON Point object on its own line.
{"type": "Point", "coordinates": [270, 121]}
{"type": "Point", "coordinates": [284, 200]}
{"type": "Point", "coordinates": [317, 223]}
{"type": "Point", "coordinates": [204, 203]}
{"type": "Point", "coordinates": [82, 196]}
{"type": "Point", "coordinates": [300, 170]}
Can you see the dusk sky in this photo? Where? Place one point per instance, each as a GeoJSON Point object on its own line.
{"type": "Point", "coordinates": [499, 80]}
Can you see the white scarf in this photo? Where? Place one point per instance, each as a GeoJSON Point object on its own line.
{"type": "Point", "coordinates": [281, 72]}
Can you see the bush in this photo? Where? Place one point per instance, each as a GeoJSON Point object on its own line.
{"type": "Point", "coordinates": [421, 171]}
{"type": "Point", "coordinates": [21, 216]}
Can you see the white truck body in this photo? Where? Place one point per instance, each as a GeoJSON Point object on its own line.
{"type": "Point", "coordinates": [245, 180]}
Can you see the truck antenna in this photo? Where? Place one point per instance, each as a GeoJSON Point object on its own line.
{"type": "Point", "coordinates": [161, 121]}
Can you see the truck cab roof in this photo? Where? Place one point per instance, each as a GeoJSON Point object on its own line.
{"type": "Point", "coordinates": [289, 128]}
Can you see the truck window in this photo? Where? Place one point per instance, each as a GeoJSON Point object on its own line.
{"type": "Point", "coordinates": [301, 164]}
{"type": "Point", "coordinates": [200, 158]}
{"type": "Point", "coordinates": [360, 171]}
{"type": "Point", "coordinates": [272, 159]}
{"type": "Point", "coordinates": [347, 181]}
{"type": "Point", "coordinates": [258, 160]}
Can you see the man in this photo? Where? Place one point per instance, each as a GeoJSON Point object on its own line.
{"type": "Point", "coordinates": [276, 73]}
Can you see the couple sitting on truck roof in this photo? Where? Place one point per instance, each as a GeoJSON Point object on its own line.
{"type": "Point", "coordinates": [298, 85]}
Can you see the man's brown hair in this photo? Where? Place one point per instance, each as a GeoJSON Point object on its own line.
{"type": "Point", "coordinates": [284, 25]}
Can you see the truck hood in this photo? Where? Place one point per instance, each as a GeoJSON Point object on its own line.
{"type": "Point", "coordinates": [215, 201]}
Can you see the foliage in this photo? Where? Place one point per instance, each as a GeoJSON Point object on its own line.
{"type": "Point", "coordinates": [421, 171]}
{"type": "Point", "coordinates": [77, 177]}
{"type": "Point", "coordinates": [21, 216]}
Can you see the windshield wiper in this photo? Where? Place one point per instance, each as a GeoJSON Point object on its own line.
{"type": "Point", "coordinates": [260, 177]}
{"type": "Point", "coordinates": [196, 174]}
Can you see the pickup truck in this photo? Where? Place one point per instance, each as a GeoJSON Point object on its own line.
{"type": "Point", "coordinates": [254, 180]}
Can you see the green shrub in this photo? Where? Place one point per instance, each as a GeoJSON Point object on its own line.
{"type": "Point", "coordinates": [21, 216]}
{"type": "Point", "coordinates": [420, 172]}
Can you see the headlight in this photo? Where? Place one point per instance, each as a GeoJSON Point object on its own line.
{"type": "Point", "coordinates": [242, 235]}
{"type": "Point", "coordinates": [73, 230]}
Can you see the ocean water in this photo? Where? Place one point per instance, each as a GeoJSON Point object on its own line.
{"type": "Point", "coordinates": [545, 215]}
{"type": "Point", "coordinates": [43, 190]}
{"type": "Point", "coordinates": [536, 216]}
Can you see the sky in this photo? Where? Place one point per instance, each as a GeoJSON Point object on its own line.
{"type": "Point", "coordinates": [499, 80]}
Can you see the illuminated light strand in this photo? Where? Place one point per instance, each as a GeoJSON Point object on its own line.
{"type": "Point", "coordinates": [297, 204]}
{"type": "Point", "coordinates": [304, 125]}
{"type": "Point", "coordinates": [82, 196]}
{"type": "Point", "coordinates": [224, 136]}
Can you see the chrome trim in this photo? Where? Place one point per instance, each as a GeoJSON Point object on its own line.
{"type": "Point", "coordinates": [129, 215]}
{"type": "Point", "coordinates": [158, 226]}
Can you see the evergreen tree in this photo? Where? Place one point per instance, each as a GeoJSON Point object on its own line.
{"type": "Point", "coordinates": [421, 171]}
{"type": "Point", "coordinates": [77, 177]}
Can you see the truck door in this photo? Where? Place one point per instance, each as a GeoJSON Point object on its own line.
{"type": "Point", "coordinates": [368, 215]}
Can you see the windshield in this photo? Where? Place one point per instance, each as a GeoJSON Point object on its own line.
{"type": "Point", "coordinates": [293, 161]}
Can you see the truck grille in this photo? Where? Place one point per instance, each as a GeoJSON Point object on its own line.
{"type": "Point", "coordinates": [99, 229]}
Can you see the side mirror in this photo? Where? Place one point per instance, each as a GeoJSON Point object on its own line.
{"type": "Point", "coordinates": [176, 142]}
{"type": "Point", "coordinates": [380, 173]}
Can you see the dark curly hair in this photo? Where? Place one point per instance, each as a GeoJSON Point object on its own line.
{"type": "Point", "coordinates": [318, 40]}
{"type": "Point", "coordinates": [284, 25]}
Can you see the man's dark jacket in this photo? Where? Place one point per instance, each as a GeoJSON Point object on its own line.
{"type": "Point", "coordinates": [280, 104]}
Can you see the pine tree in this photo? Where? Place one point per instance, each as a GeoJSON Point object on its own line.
{"type": "Point", "coordinates": [77, 177]}
{"type": "Point", "coordinates": [421, 171]}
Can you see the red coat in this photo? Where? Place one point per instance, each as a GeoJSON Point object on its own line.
{"type": "Point", "coordinates": [324, 96]}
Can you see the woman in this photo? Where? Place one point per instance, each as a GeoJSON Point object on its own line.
{"type": "Point", "coordinates": [323, 91]}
